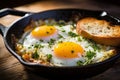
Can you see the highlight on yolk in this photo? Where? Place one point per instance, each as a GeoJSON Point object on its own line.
{"type": "Point", "coordinates": [43, 31]}
{"type": "Point", "coordinates": [68, 50]}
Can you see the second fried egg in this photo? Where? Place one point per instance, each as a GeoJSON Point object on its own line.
{"type": "Point", "coordinates": [67, 53]}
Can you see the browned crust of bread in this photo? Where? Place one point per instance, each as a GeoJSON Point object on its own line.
{"type": "Point", "coordinates": [110, 38]}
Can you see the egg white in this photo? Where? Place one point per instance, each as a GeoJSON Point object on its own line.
{"type": "Point", "coordinates": [66, 62]}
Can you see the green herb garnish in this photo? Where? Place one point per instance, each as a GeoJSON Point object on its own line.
{"type": "Point", "coordinates": [61, 23]}
{"type": "Point", "coordinates": [89, 61]}
{"type": "Point", "coordinates": [60, 41]}
{"type": "Point", "coordinates": [73, 24]}
{"type": "Point", "coordinates": [41, 40]}
{"type": "Point", "coordinates": [60, 36]}
{"type": "Point", "coordinates": [72, 34]}
{"type": "Point", "coordinates": [29, 47]}
{"type": "Point", "coordinates": [49, 56]}
{"type": "Point", "coordinates": [84, 38]}
{"type": "Point", "coordinates": [51, 42]}
{"type": "Point", "coordinates": [90, 54]}
{"type": "Point", "coordinates": [63, 30]}
{"type": "Point", "coordinates": [95, 47]}
{"type": "Point", "coordinates": [79, 63]}
{"type": "Point", "coordinates": [79, 39]}
{"type": "Point", "coordinates": [38, 46]}
{"type": "Point", "coordinates": [35, 55]}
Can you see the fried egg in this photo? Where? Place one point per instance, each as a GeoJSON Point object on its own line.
{"type": "Point", "coordinates": [42, 33]}
{"type": "Point", "coordinates": [67, 53]}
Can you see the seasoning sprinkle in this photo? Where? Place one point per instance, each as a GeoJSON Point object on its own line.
{"type": "Point", "coordinates": [72, 51]}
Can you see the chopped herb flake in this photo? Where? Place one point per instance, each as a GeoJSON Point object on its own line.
{"type": "Point", "coordinates": [72, 34]}
{"type": "Point", "coordinates": [63, 30]}
{"type": "Point", "coordinates": [49, 56]}
{"type": "Point", "coordinates": [38, 46]}
{"type": "Point", "coordinates": [61, 23]}
{"type": "Point", "coordinates": [60, 36]}
{"type": "Point", "coordinates": [35, 55]}
{"type": "Point", "coordinates": [79, 39]}
{"type": "Point", "coordinates": [41, 40]}
{"type": "Point", "coordinates": [51, 42]}
{"type": "Point", "coordinates": [90, 54]}
{"type": "Point", "coordinates": [60, 41]}
{"type": "Point", "coordinates": [79, 63]}
{"type": "Point", "coordinates": [29, 47]}
{"type": "Point", "coordinates": [95, 47]}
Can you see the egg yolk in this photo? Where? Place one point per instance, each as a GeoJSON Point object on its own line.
{"type": "Point", "coordinates": [68, 50]}
{"type": "Point", "coordinates": [43, 31]}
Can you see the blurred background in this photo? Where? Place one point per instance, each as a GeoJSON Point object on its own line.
{"type": "Point", "coordinates": [15, 3]}
{"type": "Point", "coordinates": [111, 6]}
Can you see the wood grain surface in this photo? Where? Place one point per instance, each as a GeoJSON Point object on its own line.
{"type": "Point", "coordinates": [11, 69]}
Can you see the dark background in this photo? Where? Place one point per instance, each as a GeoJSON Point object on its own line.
{"type": "Point", "coordinates": [15, 3]}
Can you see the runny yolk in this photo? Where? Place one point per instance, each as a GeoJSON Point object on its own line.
{"type": "Point", "coordinates": [43, 31]}
{"type": "Point", "coordinates": [68, 50]}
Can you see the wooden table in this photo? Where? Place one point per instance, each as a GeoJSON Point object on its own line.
{"type": "Point", "coordinates": [11, 69]}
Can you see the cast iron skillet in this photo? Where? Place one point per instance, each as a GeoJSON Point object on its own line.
{"type": "Point", "coordinates": [59, 14]}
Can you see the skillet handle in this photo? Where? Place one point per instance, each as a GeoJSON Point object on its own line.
{"type": "Point", "coordinates": [7, 11]}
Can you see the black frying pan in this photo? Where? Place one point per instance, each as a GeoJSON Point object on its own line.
{"type": "Point", "coordinates": [59, 14]}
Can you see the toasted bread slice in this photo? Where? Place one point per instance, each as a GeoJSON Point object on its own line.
{"type": "Point", "coordinates": [99, 30]}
